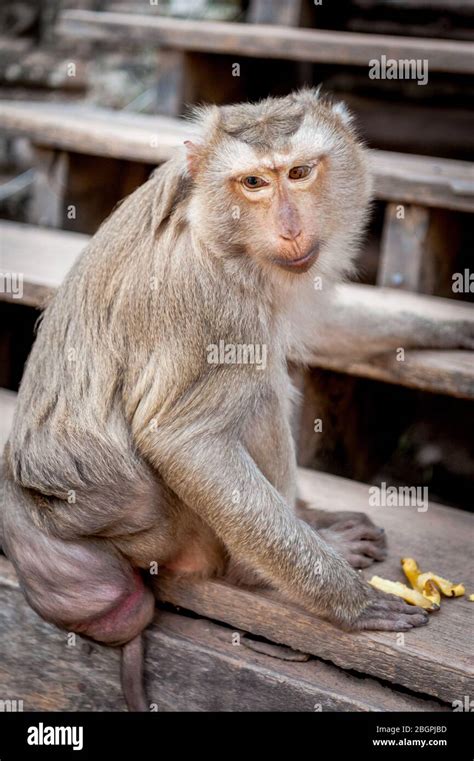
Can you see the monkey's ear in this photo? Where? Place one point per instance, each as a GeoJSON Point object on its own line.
{"type": "Point", "coordinates": [341, 110]}
{"type": "Point", "coordinates": [193, 156]}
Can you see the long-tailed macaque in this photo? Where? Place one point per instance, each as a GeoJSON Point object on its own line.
{"type": "Point", "coordinates": [153, 417]}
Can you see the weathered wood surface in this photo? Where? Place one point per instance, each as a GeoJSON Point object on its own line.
{"type": "Point", "coordinates": [191, 665]}
{"type": "Point", "coordinates": [423, 180]}
{"type": "Point", "coordinates": [441, 372]}
{"type": "Point", "coordinates": [43, 257]}
{"type": "Point", "coordinates": [7, 410]}
{"type": "Point", "coordinates": [403, 247]}
{"type": "Point", "coordinates": [274, 12]}
{"type": "Point", "coordinates": [266, 41]}
{"type": "Point", "coordinates": [450, 372]}
{"type": "Point", "coordinates": [436, 659]}
{"type": "Point", "coordinates": [96, 131]}
{"type": "Point", "coordinates": [419, 249]}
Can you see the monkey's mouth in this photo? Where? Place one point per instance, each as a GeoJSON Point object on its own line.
{"type": "Point", "coordinates": [302, 264]}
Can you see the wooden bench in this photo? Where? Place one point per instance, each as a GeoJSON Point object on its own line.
{"type": "Point", "coordinates": [422, 180]}
{"type": "Point", "coordinates": [265, 41]}
{"type": "Point", "coordinates": [202, 665]}
{"type": "Point", "coordinates": [416, 250]}
{"type": "Point", "coordinates": [43, 257]}
{"type": "Point", "coordinates": [192, 664]}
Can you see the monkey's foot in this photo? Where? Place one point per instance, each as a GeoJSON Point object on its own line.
{"type": "Point", "coordinates": [352, 534]}
{"type": "Point", "coordinates": [359, 543]}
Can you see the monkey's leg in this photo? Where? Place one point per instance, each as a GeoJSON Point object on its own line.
{"type": "Point", "coordinates": [352, 534]}
{"type": "Point", "coordinates": [82, 586]}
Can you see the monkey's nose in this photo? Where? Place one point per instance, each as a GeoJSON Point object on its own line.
{"type": "Point", "coordinates": [290, 234]}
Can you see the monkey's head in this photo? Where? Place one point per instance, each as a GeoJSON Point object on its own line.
{"type": "Point", "coordinates": [283, 183]}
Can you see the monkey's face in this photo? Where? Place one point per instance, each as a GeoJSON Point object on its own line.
{"type": "Point", "coordinates": [284, 183]}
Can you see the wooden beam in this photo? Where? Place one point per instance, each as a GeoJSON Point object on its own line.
{"type": "Point", "coordinates": [403, 248]}
{"type": "Point", "coordinates": [419, 249]}
{"type": "Point", "coordinates": [434, 659]}
{"type": "Point", "coordinates": [7, 411]}
{"type": "Point", "coordinates": [191, 665]}
{"type": "Point", "coordinates": [274, 12]}
{"type": "Point", "coordinates": [440, 372]}
{"type": "Point", "coordinates": [423, 180]}
{"type": "Point", "coordinates": [43, 258]}
{"type": "Point", "coordinates": [266, 41]}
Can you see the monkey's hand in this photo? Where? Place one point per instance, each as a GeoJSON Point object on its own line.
{"type": "Point", "coordinates": [384, 612]}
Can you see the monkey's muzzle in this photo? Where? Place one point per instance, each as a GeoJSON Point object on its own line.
{"type": "Point", "coordinates": [302, 263]}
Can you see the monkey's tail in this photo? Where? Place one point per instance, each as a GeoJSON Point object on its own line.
{"type": "Point", "coordinates": [132, 674]}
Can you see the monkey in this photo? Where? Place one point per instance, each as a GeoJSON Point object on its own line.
{"type": "Point", "coordinates": [131, 445]}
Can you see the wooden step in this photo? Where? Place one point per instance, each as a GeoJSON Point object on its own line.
{"type": "Point", "coordinates": [43, 257]}
{"type": "Point", "coordinates": [191, 665]}
{"type": "Point", "coordinates": [433, 660]}
{"type": "Point", "coordinates": [436, 659]}
{"type": "Point", "coordinates": [86, 129]}
{"type": "Point", "coordinates": [7, 410]}
{"type": "Point", "coordinates": [265, 41]}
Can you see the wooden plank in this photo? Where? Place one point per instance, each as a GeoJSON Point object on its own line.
{"type": "Point", "coordinates": [7, 410]}
{"type": "Point", "coordinates": [95, 131]}
{"type": "Point", "coordinates": [43, 257]}
{"type": "Point", "coordinates": [435, 659]}
{"type": "Point", "coordinates": [419, 249]}
{"type": "Point", "coordinates": [274, 12]}
{"type": "Point", "coordinates": [266, 41]}
{"type": "Point", "coordinates": [49, 187]}
{"type": "Point", "coordinates": [423, 180]}
{"type": "Point", "coordinates": [191, 665]}
{"type": "Point", "coordinates": [403, 247]}
{"type": "Point", "coordinates": [441, 372]}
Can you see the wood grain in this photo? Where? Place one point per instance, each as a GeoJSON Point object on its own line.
{"type": "Point", "coordinates": [266, 41]}
{"type": "Point", "coordinates": [436, 659]}
{"type": "Point", "coordinates": [403, 247]}
{"type": "Point", "coordinates": [191, 665]}
{"type": "Point", "coordinates": [43, 257]}
{"type": "Point", "coordinates": [423, 180]}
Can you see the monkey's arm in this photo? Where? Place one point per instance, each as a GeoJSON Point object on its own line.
{"type": "Point", "coordinates": [361, 320]}
{"type": "Point", "coordinates": [215, 475]}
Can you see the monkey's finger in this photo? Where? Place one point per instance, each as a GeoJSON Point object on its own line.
{"type": "Point", "coordinates": [399, 623]}
{"type": "Point", "coordinates": [398, 606]}
{"type": "Point", "coordinates": [365, 533]}
{"type": "Point", "coordinates": [370, 549]}
{"type": "Point", "coordinates": [344, 525]}
{"type": "Point", "coordinates": [359, 561]}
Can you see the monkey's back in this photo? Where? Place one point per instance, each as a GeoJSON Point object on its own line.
{"type": "Point", "coordinates": [69, 430]}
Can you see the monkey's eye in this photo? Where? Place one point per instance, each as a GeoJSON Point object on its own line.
{"type": "Point", "coordinates": [254, 183]}
{"type": "Point", "coordinates": [300, 172]}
